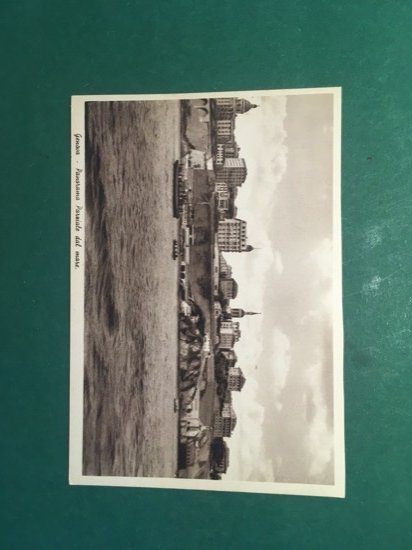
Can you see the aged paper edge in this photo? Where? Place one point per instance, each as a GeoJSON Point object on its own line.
{"type": "Point", "coordinates": [77, 319]}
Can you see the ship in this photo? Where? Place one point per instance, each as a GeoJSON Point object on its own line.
{"type": "Point", "coordinates": [176, 188]}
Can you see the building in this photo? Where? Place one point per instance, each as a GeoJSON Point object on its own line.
{"type": "Point", "coordinates": [233, 171]}
{"type": "Point", "coordinates": [231, 236]}
{"type": "Point", "coordinates": [221, 187]}
{"type": "Point", "coordinates": [224, 421]}
{"type": "Point", "coordinates": [220, 455]}
{"type": "Point", "coordinates": [226, 150]}
{"type": "Point", "coordinates": [225, 268]}
{"type": "Point", "coordinates": [222, 196]}
{"type": "Point", "coordinates": [236, 331]}
{"type": "Point", "coordinates": [230, 357]}
{"type": "Point", "coordinates": [225, 130]}
{"type": "Point", "coordinates": [231, 150]}
{"type": "Point", "coordinates": [227, 337]}
{"type": "Point", "coordinates": [229, 107]}
{"type": "Point", "coordinates": [238, 312]}
{"type": "Point", "coordinates": [229, 334]}
{"type": "Point", "coordinates": [226, 325]}
{"type": "Point", "coordinates": [243, 106]}
{"type": "Point", "coordinates": [189, 428]}
{"type": "Point", "coordinates": [236, 380]}
{"type": "Point", "coordinates": [220, 154]}
{"type": "Point", "coordinates": [225, 107]}
{"type": "Point", "coordinates": [228, 288]}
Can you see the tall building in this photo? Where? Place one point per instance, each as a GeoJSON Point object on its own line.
{"type": "Point", "coordinates": [236, 379]}
{"type": "Point", "coordinates": [229, 334]}
{"type": "Point", "coordinates": [224, 422]}
{"type": "Point", "coordinates": [239, 312]}
{"type": "Point", "coordinates": [233, 171]}
{"type": "Point", "coordinates": [228, 107]}
{"type": "Point", "coordinates": [231, 150]}
{"type": "Point", "coordinates": [224, 130]}
{"type": "Point", "coordinates": [222, 196]}
{"type": "Point", "coordinates": [226, 149]}
{"type": "Point", "coordinates": [231, 236]}
{"type": "Point", "coordinates": [227, 337]}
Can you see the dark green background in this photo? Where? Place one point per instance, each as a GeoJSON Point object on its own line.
{"type": "Point", "coordinates": [52, 49]}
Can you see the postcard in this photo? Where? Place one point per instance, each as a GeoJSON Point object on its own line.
{"type": "Point", "coordinates": [206, 292]}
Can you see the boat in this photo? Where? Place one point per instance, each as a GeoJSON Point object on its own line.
{"type": "Point", "coordinates": [176, 188]}
{"type": "Point", "coordinates": [175, 249]}
{"type": "Point", "coordinates": [176, 404]}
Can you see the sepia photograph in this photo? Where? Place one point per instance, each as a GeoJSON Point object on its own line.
{"type": "Point", "coordinates": [206, 292]}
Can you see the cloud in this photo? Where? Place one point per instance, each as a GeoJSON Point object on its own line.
{"type": "Point", "coordinates": [280, 360]}
{"type": "Point", "coordinates": [266, 157]}
{"type": "Point", "coordinates": [285, 410]}
{"type": "Point", "coordinates": [247, 453]}
{"type": "Point", "coordinates": [278, 262]}
{"type": "Point", "coordinates": [319, 440]}
{"type": "Point", "coordinates": [322, 258]}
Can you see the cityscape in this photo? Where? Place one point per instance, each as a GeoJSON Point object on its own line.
{"type": "Point", "coordinates": [207, 181]}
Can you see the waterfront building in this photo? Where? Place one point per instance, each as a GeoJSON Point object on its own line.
{"type": "Point", "coordinates": [226, 325]}
{"type": "Point", "coordinates": [224, 421]}
{"type": "Point", "coordinates": [220, 154]}
{"type": "Point", "coordinates": [225, 130]}
{"type": "Point", "coordinates": [221, 187]}
{"type": "Point", "coordinates": [236, 379]}
{"type": "Point", "coordinates": [231, 150]}
{"type": "Point", "coordinates": [231, 236]}
{"type": "Point", "coordinates": [227, 336]}
{"type": "Point", "coordinates": [236, 331]}
{"type": "Point", "coordinates": [225, 107]}
{"type": "Point", "coordinates": [229, 107]}
{"type": "Point", "coordinates": [226, 200]}
{"type": "Point", "coordinates": [226, 150]}
{"type": "Point", "coordinates": [222, 196]}
{"type": "Point", "coordinates": [233, 171]}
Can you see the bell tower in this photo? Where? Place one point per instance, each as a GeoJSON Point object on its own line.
{"type": "Point", "coordinates": [238, 312]}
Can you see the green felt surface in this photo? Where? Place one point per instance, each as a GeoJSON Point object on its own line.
{"type": "Point", "coordinates": [53, 49]}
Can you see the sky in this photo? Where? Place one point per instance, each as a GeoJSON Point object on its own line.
{"type": "Point", "coordinates": [284, 428]}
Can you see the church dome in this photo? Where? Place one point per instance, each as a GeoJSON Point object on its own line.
{"type": "Point", "coordinates": [244, 105]}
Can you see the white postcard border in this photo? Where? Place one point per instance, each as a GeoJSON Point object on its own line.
{"type": "Point", "coordinates": [77, 312]}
